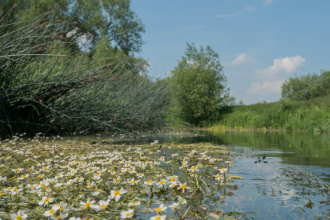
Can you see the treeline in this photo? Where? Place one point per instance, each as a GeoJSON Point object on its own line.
{"type": "Point", "coordinates": [49, 84]}
{"type": "Point", "coordinates": [306, 87]}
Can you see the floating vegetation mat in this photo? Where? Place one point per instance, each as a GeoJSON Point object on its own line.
{"type": "Point", "coordinates": [56, 179]}
{"type": "Point", "coordinates": [68, 181]}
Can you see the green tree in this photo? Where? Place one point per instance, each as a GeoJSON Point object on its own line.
{"type": "Point", "coordinates": [299, 88]}
{"type": "Point", "coordinates": [200, 83]}
{"type": "Point", "coordinates": [321, 87]}
{"type": "Point", "coordinates": [104, 54]}
{"type": "Point", "coordinates": [91, 19]}
{"type": "Point", "coordinates": [306, 87]}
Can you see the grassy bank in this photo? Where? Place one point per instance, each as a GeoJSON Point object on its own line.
{"type": "Point", "coordinates": [311, 115]}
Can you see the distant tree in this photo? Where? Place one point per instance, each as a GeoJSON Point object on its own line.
{"type": "Point", "coordinates": [201, 84]}
{"type": "Point", "coordinates": [90, 19]}
{"type": "Point", "coordinates": [321, 87]}
{"type": "Point", "coordinates": [306, 87]}
{"type": "Point", "coordinates": [299, 88]}
{"type": "Point", "coordinates": [240, 102]}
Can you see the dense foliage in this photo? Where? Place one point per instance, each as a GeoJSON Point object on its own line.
{"type": "Point", "coordinates": [45, 86]}
{"type": "Point", "coordinates": [312, 115]}
{"type": "Point", "coordinates": [306, 87]}
{"type": "Point", "coordinates": [90, 20]}
{"type": "Point", "coordinates": [201, 84]}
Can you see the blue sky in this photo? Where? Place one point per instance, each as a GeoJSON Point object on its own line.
{"type": "Point", "coordinates": [260, 42]}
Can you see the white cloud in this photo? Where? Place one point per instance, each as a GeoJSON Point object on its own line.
{"type": "Point", "coordinates": [282, 66]}
{"type": "Point", "coordinates": [267, 2]}
{"type": "Point", "coordinates": [241, 59]}
{"type": "Point", "coordinates": [266, 88]}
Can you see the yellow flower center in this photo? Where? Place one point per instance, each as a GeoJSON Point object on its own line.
{"type": "Point", "coordinates": [117, 193]}
{"type": "Point", "coordinates": [128, 214]}
{"type": "Point", "coordinates": [19, 217]}
{"type": "Point", "coordinates": [193, 168]}
{"type": "Point", "coordinates": [183, 186]}
{"type": "Point", "coordinates": [158, 209]}
{"type": "Point", "coordinates": [46, 200]}
{"type": "Point", "coordinates": [102, 206]}
{"type": "Point", "coordinates": [87, 204]}
{"type": "Point", "coordinates": [51, 211]}
{"type": "Point", "coordinates": [149, 181]}
{"type": "Point", "coordinates": [158, 218]}
{"type": "Point", "coordinates": [162, 183]}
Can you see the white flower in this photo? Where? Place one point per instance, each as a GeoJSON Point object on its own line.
{"type": "Point", "coordinates": [116, 194]}
{"type": "Point", "coordinates": [45, 200]}
{"type": "Point", "coordinates": [127, 214]}
{"type": "Point", "coordinates": [140, 175]}
{"type": "Point", "coordinates": [175, 205]}
{"type": "Point", "coordinates": [62, 215]}
{"type": "Point", "coordinates": [161, 208]}
{"type": "Point", "coordinates": [182, 200]}
{"type": "Point", "coordinates": [158, 217]}
{"type": "Point", "coordinates": [222, 170]}
{"type": "Point", "coordinates": [74, 218]}
{"type": "Point", "coordinates": [161, 184]}
{"type": "Point", "coordinates": [19, 216]}
{"type": "Point", "coordinates": [133, 182]}
{"type": "Point", "coordinates": [87, 204]}
{"type": "Point", "coordinates": [102, 205]}
{"type": "Point", "coordinates": [193, 169]}
{"type": "Point", "coordinates": [15, 191]}
{"type": "Point", "coordinates": [134, 203]}
{"type": "Point", "coordinates": [95, 193]}
{"type": "Point", "coordinates": [183, 187]}
{"type": "Point", "coordinates": [218, 177]}
{"type": "Point", "coordinates": [62, 206]}
{"type": "Point", "coordinates": [52, 211]}
{"type": "Point", "coordinates": [149, 183]}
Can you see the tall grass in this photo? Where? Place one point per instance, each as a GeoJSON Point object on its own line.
{"type": "Point", "coordinates": [44, 86]}
{"type": "Point", "coordinates": [313, 115]}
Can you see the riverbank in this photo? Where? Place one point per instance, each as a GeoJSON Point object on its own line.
{"type": "Point", "coordinates": [311, 115]}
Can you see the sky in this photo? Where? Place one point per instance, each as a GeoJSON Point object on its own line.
{"type": "Point", "coordinates": [260, 43]}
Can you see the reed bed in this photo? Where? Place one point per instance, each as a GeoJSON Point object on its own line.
{"type": "Point", "coordinates": [47, 85]}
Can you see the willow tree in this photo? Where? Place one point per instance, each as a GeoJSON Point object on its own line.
{"type": "Point", "coordinates": [201, 84]}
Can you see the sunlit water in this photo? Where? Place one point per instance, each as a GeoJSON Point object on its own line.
{"type": "Point", "coordinates": [283, 150]}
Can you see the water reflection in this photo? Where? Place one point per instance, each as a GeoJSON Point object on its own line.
{"type": "Point", "coordinates": [295, 148]}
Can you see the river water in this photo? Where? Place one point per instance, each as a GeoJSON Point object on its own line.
{"type": "Point", "coordinates": [259, 192]}
{"type": "Point", "coordinates": [293, 184]}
